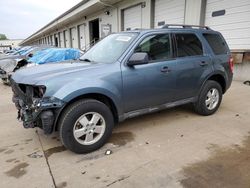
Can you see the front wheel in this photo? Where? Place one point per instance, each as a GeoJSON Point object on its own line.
{"type": "Point", "coordinates": [85, 126]}
{"type": "Point", "coordinates": [209, 99]}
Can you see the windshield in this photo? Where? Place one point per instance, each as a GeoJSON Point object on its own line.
{"type": "Point", "coordinates": [110, 48]}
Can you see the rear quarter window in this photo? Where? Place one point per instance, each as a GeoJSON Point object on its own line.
{"type": "Point", "coordinates": [217, 44]}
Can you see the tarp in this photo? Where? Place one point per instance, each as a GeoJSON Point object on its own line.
{"type": "Point", "coordinates": [54, 55]}
{"type": "Point", "coordinates": [39, 54]}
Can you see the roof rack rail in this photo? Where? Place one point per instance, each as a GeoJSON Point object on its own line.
{"type": "Point", "coordinates": [185, 26]}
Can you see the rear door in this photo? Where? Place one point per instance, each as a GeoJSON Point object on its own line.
{"type": "Point", "coordinates": [221, 54]}
{"type": "Point", "coordinates": [193, 65]}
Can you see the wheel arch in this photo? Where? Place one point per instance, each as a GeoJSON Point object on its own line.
{"type": "Point", "coordinates": [97, 96]}
{"type": "Point", "coordinates": [220, 79]}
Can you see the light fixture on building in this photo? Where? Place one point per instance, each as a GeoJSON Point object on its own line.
{"type": "Point", "coordinates": [107, 12]}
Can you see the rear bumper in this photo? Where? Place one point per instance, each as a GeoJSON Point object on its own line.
{"type": "Point", "coordinates": [229, 81]}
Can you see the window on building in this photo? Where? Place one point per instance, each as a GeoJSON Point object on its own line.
{"type": "Point", "coordinates": [217, 44]}
{"type": "Point", "coordinates": [188, 45]}
{"type": "Point", "coordinates": [156, 46]}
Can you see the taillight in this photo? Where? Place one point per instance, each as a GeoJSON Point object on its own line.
{"type": "Point", "coordinates": [231, 64]}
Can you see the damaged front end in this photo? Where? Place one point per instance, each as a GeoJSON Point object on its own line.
{"type": "Point", "coordinates": [34, 109]}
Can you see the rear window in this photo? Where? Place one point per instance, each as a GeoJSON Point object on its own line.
{"type": "Point", "coordinates": [217, 44]}
{"type": "Point", "coordinates": [188, 45]}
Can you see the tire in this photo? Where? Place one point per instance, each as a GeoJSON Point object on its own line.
{"type": "Point", "coordinates": [78, 118]}
{"type": "Point", "coordinates": [204, 106]}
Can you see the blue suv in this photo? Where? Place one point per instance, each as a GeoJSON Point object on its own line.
{"type": "Point", "coordinates": [125, 75]}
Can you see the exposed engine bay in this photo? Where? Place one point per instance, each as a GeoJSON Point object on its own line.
{"type": "Point", "coordinates": [33, 109]}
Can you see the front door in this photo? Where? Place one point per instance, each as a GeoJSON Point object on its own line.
{"type": "Point", "coordinates": [150, 84]}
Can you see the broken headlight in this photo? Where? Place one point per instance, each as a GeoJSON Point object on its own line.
{"type": "Point", "coordinates": [31, 65]}
{"type": "Point", "coordinates": [33, 91]}
{"type": "Point", "coordinates": [38, 91]}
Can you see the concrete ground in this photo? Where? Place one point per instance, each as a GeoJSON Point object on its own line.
{"type": "Point", "coordinates": [173, 148]}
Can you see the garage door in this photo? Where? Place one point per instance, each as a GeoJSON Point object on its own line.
{"type": "Point", "coordinates": [48, 40]}
{"type": "Point", "coordinates": [169, 12]}
{"type": "Point", "coordinates": [56, 40]}
{"type": "Point", "coordinates": [82, 41]}
{"type": "Point", "coordinates": [51, 40]}
{"type": "Point", "coordinates": [132, 18]}
{"type": "Point", "coordinates": [232, 19]}
{"type": "Point", "coordinates": [73, 35]}
{"type": "Point", "coordinates": [66, 38]}
{"type": "Point", "coordinates": [61, 42]}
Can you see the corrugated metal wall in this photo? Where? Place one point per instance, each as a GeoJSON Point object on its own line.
{"type": "Point", "coordinates": [169, 11]}
{"type": "Point", "coordinates": [234, 24]}
{"type": "Point", "coordinates": [133, 17]}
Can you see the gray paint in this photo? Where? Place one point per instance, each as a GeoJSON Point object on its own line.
{"type": "Point", "coordinates": [133, 90]}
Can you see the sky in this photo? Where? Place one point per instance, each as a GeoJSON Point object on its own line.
{"type": "Point", "coordinates": [21, 18]}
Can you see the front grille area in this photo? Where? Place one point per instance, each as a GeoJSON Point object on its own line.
{"type": "Point", "coordinates": [22, 87]}
{"type": "Point", "coordinates": [27, 92]}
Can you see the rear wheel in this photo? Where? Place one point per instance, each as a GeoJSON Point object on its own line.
{"type": "Point", "coordinates": [86, 125]}
{"type": "Point", "coordinates": [209, 99]}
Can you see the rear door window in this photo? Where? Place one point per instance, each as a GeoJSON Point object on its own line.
{"type": "Point", "coordinates": [217, 44]}
{"type": "Point", "coordinates": [188, 45]}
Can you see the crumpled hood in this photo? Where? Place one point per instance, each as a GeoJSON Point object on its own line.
{"type": "Point", "coordinates": [8, 64]}
{"type": "Point", "coordinates": [44, 73]}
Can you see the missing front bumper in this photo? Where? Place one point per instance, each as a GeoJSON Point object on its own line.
{"type": "Point", "coordinates": [35, 112]}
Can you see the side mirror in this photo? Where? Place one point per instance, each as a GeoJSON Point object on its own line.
{"type": "Point", "coordinates": [138, 58]}
{"type": "Point", "coordinates": [30, 55]}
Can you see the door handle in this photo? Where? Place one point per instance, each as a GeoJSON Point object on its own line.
{"type": "Point", "coordinates": [165, 69]}
{"type": "Point", "coordinates": [203, 63]}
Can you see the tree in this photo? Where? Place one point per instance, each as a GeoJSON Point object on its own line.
{"type": "Point", "coordinates": [3, 37]}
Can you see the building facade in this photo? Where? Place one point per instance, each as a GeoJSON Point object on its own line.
{"type": "Point", "coordinates": [91, 20]}
{"type": "Point", "coordinates": [9, 44]}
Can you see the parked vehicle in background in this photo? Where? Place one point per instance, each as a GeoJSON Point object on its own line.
{"type": "Point", "coordinates": [125, 75]}
{"type": "Point", "coordinates": [24, 51]}
{"type": "Point", "coordinates": [55, 55]}
{"type": "Point", "coordinates": [5, 53]}
{"type": "Point", "coordinates": [8, 65]}
{"type": "Point", "coordinates": [2, 54]}
{"type": "Point", "coordinates": [43, 56]}
{"type": "Point", "coordinates": [13, 50]}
